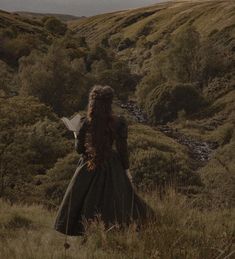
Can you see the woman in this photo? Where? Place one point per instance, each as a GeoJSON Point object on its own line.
{"type": "Point", "coordinates": [101, 186]}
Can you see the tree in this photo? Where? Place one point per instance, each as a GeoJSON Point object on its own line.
{"type": "Point", "coordinates": [8, 82]}
{"type": "Point", "coordinates": [31, 140]}
{"type": "Point", "coordinates": [184, 56]}
{"type": "Point", "coordinates": [165, 101]}
{"type": "Point", "coordinates": [12, 49]}
{"type": "Point", "coordinates": [119, 77]}
{"type": "Point", "coordinates": [54, 80]}
{"type": "Point", "coordinates": [54, 25]}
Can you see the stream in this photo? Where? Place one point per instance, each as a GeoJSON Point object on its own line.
{"type": "Point", "coordinates": [199, 151]}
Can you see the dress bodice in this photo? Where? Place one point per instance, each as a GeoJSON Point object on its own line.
{"type": "Point", "coordinates": [119, 138]}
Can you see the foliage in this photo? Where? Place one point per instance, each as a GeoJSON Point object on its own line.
{"type": "Point", "coordinates": [12, 49]}
{"type": "Point", "coordinates": [58, 178]}
{"type": "Point", "coordinates": [54, 80]}
{"type": "Point", "coordinates": [165, 101]}
{"type": "Point", "coordinates": [188, 60]}
{"type": "Point", "coordinates": [54, 25]}
{"type": "Point", "coordinates": [183, 58]}
{"type": "Point", "coordinates": [118, 77]}
{"type": "Point", "coordinates": [156, 160]}
{"type": "Point", "coordinates": [125, 44]}
{"type": "Point", "coordinates": [8, 81]}
{"type": "Point", "coordinates": [217, 175]}
{"type": "Point", "coordinates": [31, 142]}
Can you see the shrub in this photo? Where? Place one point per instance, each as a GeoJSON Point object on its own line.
{"type": "Point", "coordinates": [146, 85]}
{"type": "Point", "coordinates": [8, 81]}
{"type": "Point", "coordinates": [164, 102]}
{"type": "Point", "coordinates": [54, 25]}
{"type": "Point", "coordinates": [13, 49]}
{"type": "Point", "coordinates": [125, 44]}
{"type": "Point", "coordinates": [30, 144]}
{"type": "Point", "coordinates": [156, 160]}
{"type": "Point", "coordinates": [114, 40]}
{"type": "Point", "coordinates": [54, 80]}
{"type": "Point", "coordinates": [119, 77]}
{"type": "Point", "coordinates": [58, 178]}
{"type": "Point", "coordinates": [184, 56]}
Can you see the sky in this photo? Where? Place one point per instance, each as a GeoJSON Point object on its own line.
{"type": "Point", "coordinates": [74, 7]}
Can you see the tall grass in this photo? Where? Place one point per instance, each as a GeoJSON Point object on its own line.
{"type": "Point", "coordinates": [180, 231]}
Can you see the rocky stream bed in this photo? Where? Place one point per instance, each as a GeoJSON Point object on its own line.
{"type": "Point", "coordinates": [199, 151]}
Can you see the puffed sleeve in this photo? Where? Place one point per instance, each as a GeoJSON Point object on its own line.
{"type": "Point", "coordinates": [121, 142]}
{"type": "Point", "coordinates": [80, 140]}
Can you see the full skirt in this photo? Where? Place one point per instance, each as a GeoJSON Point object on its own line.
{"type": "Point", "coordinates": [106, 192]}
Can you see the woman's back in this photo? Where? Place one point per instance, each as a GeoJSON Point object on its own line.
{"type": "Point", "coordinates": [117, 139]}
{"type": "Point", "coordinates": [100, 186]}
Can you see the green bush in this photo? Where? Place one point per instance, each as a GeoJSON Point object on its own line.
{"type": "Point", "coordinates": [125, 44]}
{"type": "Point", "coordinates": [59, 177]}
{"type": "Point", "coordinates": [31, 142]}
{"type": "Point", "coordinates": [13, 49]}
{"type": "Point", "coordinates": [8, 81]}
{"type": "Point", "coordinates": [184, 56]}
{"type": "Point", "coordinates": [55, 80]}
{"type": "Point", "coordinates": [156, 160]}
{"type": "Point", "coordinates": [119, 77]}
{"type": "Point", "coordinates": [165, 101]}
{"type": "Point", "coordinates": [54, 25]}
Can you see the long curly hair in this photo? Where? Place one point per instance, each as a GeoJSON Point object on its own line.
{"type": "Point", "coordinates": [99, 135]}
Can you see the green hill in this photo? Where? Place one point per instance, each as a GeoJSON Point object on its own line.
{"type": "Point", "coordinates": [172, 68]}
{"type": "Point", "coordinates": [155, 26]}
{"type": "Point", "coordinates": [22, 24]}
{"type": "Point", "coordinates": [62, 17]}
{"type": "Point", "coordinates": [183, 52]}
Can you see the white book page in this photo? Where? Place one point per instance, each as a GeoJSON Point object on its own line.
{"type": "Point", "coordinates": [72, 124]}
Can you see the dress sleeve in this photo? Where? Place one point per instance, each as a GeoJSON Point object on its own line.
{"type": "Point", "coordinates": [121, 142]}
{"type": "Point", "coordinates": [80, 140]}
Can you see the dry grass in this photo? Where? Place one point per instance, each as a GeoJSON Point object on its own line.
{"type": "Point", "coordinates": [157, 27]}
{"type": "Point", "coordinates": [180, 231]}
{"type": "Point", "coordinates": [205, 15]}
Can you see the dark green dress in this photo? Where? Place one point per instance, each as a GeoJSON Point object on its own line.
{"type": "Point", "coordinates": [106, 192]}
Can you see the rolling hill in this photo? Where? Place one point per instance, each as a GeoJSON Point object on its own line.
{"type": "Point", "coordinates": [183, 166]}
{"type": "Point", "coordinates": [62, 17]}
{"type": "Point", "coordinates": [141, 37]}
{"type": "Point", "coordinates": [155, 26]}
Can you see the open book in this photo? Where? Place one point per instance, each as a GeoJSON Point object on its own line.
{"type": "Point", "coordinates": [73, 124]}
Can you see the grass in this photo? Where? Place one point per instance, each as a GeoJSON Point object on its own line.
{"type": "Point", "coordinates": [164, 16]}
{"type": "Point", "coordinates": [184, 228]}
{"type": "Point", "coordinates": [218, 174]}
{"type": "Point", "coordinates": [180, 231]}
{"type": "Point", "coordinates": [159, 28]}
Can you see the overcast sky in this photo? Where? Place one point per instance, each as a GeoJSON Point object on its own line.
{"type": "Point", "coordinates": [75, 7]}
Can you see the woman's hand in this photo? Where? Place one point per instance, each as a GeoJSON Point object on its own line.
{"type": "Point", "coordinates": [130, 176]}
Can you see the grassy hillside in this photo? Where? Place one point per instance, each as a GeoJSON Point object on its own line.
{"type": "Point", "coordinates": [175, 61]}
{"type": "Point", "coordinates": [179, 232]}
{"type": "Point", "coordinates": [62, 17]}
{"type": "Point", "coordinates": [155, 42]}
{"type": "Point", "coordinates": [131, 51]}
{"type": "Point", "coordinates": [152, 28]}
{"type": "Point", "coordinates": [21, 24]}
{"type": "Point", "coordinates": [19, 35]}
